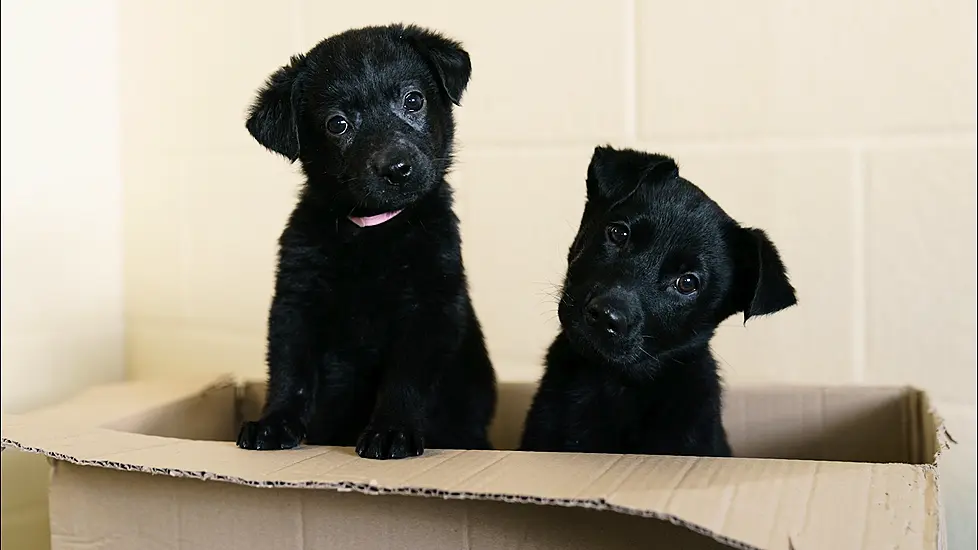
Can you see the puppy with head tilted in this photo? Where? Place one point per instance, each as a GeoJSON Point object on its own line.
{"type": "Point", "coordinates": [372, 338]}
{"type": "Point", "coordinates": [655, 267]}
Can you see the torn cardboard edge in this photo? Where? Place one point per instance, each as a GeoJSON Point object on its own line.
{"type": "Point", "coordinates": [943, 441]}
{"type": "Point", "coordinates": [87, 422]}
{"type": "Point", "coordinates": [372, 489]}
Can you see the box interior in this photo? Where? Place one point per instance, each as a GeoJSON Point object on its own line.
{"type": "Point", "coordinates": [845, 424]}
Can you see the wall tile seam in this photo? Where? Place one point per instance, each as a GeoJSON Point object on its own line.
{"type": "Point", "coordinates": [860, 311]}
{"type": "Point", "coordinates": [772, 141]}
{"type": "Point", "coordinates": [962, 140]}
{"type": "Point", "coordinates": [631, 97]}
{"type": "Point", "coordinates": [152, 323]}
{"type": "Point", "coordinates": [296, 25]}
{"type": "Point", "coordinates": [842, 140]}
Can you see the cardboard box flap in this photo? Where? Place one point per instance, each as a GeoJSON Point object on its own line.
{"type": "Point", "coordinates": [743, 503]}
{"type": "Point", "coordinates": [746, 503]}
{"type": "Point", "coordinates": [131, 406]}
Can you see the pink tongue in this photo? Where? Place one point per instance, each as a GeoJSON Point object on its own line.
{"type": "Point", "coordinates": [368, 221]}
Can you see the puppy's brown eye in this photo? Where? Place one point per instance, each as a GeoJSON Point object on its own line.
{"type": "Point", "coordinates": [337, 125]}
{"type": "Point", "coordinates": [413, 102]}
{"type": "Point", "coordinates": [687, 283]}
{"type": "Point", "coordinates": [617, 233]}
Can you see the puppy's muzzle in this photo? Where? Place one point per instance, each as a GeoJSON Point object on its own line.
{"type": "Point", "coordinates": [393, 165]}
{"type": "Point", "coordinates": [610, 315]}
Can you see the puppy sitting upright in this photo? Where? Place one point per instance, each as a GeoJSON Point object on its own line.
{"type": "Point", "coordinates": [372, 338]}
{"type": "Point", "coordinates": [655, 267]}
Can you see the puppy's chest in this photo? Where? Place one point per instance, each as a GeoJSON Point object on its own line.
{"type": "Point", "coordinates": [357, 276]}
{"type": "Point", "coordinates": [622, 418]}
{"type": "Point", "coordinates": [367, 293]}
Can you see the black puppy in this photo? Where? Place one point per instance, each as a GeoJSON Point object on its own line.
{"type": "Point", "coordinates": [372, 338]}
{"type": "Point", "coordinates": [655, 267]}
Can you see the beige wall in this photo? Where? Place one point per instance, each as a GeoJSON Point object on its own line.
{"type": "Point", "coordinates": [62, 225]}
{"type": "Point", "coordinates": [846, 129]}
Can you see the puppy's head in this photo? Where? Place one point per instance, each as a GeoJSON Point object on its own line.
{"type": "Point", "coordinates": [368, 112]}
{"type": "Point", "coordinates": [657, 265]}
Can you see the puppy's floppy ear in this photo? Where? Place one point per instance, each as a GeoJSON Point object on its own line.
{"type": "Point", "coordinates": [761, 284]}
{"type": "Point", "coordinates": [615, 174]}
{"type": "Point", "coordinates": [446, 58]}
{"type": "Point", "coordinates": [273, 119]}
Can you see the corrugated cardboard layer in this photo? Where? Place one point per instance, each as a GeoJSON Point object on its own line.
{"type": "Point", "coordinates": [750, 503]}
{"type": "Point", "coordinates": [185, 514]}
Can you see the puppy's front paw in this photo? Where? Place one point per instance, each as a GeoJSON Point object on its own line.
{"type": "Point", "coordinates": [385, 442]}
{"type": "Point", "coordinates": [270, 433]}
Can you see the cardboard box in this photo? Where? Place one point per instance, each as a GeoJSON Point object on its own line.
{"type": "Point", "coordinates": [151, 465]}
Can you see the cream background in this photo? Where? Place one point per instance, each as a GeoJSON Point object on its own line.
{"type": "Point", "coordinates": [62, 225]}
{"type": "Point", "coordinates": [846, 130]}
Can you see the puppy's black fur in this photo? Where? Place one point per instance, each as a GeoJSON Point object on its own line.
{"type": "Point", "coordinates": [655, 267]}
{"type": "Point", "coordinates": [372, 338]}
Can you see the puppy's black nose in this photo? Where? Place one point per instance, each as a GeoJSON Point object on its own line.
{"type": "Point", "coordinates": [396, 171]}
{"type": "Point", "coordinates": [607, 314]}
